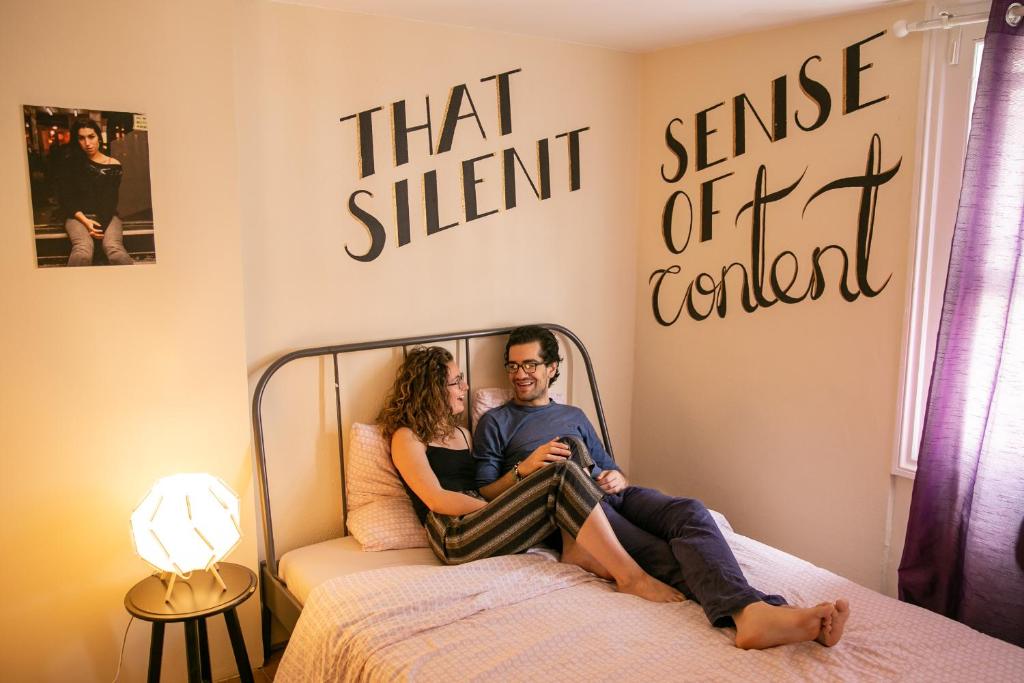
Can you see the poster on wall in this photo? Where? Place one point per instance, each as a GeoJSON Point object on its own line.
{"type": "Point", "coordinates": [89, 176]}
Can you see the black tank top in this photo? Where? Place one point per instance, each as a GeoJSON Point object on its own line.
{"type": "Point", "coordinates": [455, 469]}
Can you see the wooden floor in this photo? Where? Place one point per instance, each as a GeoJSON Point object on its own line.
{"type": "Point", "coordinates": [263, 674]}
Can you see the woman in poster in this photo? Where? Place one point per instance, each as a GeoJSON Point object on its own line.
{"type": "Point", "coordinates": [88, 187]}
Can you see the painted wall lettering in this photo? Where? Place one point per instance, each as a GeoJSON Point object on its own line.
{"type": "Point", "coordinates": [768, 275]}
{"type": "Point", "coordinates": [409, 139]}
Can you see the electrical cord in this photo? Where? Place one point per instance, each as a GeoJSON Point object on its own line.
{"type": "Point", "coordinates": [120, 657]}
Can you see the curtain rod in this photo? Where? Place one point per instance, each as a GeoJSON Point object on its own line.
{"type": "Point", "coordinates": [948, 20]}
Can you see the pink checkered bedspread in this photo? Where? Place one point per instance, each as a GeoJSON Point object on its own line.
{"type": "Point", "coordinates": [529, 618]}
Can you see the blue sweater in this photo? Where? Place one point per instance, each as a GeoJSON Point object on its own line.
{"type": "Point", "coordinates": [509, 433]}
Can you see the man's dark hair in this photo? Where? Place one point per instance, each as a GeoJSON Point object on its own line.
{"type": "Point", "coordinates": [534, 333]}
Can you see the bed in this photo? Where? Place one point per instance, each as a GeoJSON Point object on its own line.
{"type": "Point", "coordinates": [357, 608]}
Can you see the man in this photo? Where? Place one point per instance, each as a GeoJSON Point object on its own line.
{"type": "Point", "coordinates": [674, 539]}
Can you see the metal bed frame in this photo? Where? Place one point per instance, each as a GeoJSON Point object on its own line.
{"type": "Point", "coordinates": [277, 602]}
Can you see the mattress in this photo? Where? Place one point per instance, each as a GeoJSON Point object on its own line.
{"type": "Point", "coordinates": [303, 569]}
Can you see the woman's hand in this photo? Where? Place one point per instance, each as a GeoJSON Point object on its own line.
{"type": "Point", "coordinates": [552, 451]}
{"type": "Point", "coordinates": [94, 227]}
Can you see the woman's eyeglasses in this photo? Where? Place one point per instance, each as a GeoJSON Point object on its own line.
{"type": "Point", "coordinates": [530, 366]}
{"type": "Point", "coordinates": [459, 379]}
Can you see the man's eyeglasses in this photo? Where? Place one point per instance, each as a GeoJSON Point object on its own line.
{"type": "Point", "coordinates": [530, 366]}
{"type": "Point", "coordinates": [459, 379]}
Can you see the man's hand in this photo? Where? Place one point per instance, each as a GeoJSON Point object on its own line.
{"type": "Point", "coordinates": [552, 451]}
{"type": "Point", "coordinates": [612, 481]}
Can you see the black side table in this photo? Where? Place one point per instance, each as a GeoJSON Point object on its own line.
{"type": "Point", "coordinates": [192, 602]}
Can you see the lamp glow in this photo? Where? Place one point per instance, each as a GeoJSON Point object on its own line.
{"type": "Point", "coordinates": [186, 522]}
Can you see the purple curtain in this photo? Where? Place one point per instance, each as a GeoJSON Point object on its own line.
{"type": "Point", "coordinates": [964, 552]}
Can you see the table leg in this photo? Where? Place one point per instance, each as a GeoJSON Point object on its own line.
{"type": "Point", "coordinates": [195, 674]}
{"type": "Point", "coordinates": [204, 653]}
{"type": "Point", "coordinates": [156, 652]}
{"type": "Point", "coordinates": [238, 645]}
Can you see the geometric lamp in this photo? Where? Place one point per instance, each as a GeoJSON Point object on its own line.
{"type": "Point", "coordinates": [186, 522]}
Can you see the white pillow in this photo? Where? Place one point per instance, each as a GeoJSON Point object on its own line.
{"type": "Point", "coordinates": [380, 514]}
{"type": "Point", "coordinates": [485, 399]}
{"type": "Point", "coordinates": [492, 397]}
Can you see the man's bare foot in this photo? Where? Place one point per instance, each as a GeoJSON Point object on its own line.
{"type": "Point", "coordinates": [574, 553]}
{"type": "Point", "coordinates": [649, 588]}
{"type": "Point", "coordinates": [760, 625]}
{"type": "Point", "coordinates": [832, 629]}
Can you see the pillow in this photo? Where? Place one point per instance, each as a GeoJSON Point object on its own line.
{"type": "Point", "coordinates": [485, 399]}
{"type": "Point", "coordinates": [380, 514]}
{"type": "Point", "coordinates": [721, 521]}
{"type": "Point", "coordinates": [492, 397]}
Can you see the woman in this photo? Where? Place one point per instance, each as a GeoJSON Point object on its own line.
{"type": "Point", "coordinates": [89, 186]}
{"type": "Point", "coordinates": [433, 456]}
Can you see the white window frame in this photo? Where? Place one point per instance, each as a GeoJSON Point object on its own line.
{"type": "Point", "coordinates": [947, 95]}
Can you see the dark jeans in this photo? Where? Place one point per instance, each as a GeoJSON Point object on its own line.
{"type": "Point", "coordinates": [677, 541]}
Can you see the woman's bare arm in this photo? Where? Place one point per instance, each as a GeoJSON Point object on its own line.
{"type": "Point", "coordinates": [410, 457]}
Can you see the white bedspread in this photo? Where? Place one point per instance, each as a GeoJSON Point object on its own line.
{"type": "Point", "coordinates": [528, 618]}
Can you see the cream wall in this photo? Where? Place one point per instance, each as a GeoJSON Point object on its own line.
{"type": "Point", "coordinates": [113, 377]}
{"type": "Point", "coordinates": [569, 259]}
{"type": "Point", "coordinates": [251, 174]}
{"type": "Point", "coordinates": [784, 418]}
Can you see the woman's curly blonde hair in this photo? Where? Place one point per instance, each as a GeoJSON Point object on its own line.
{"type": "Point", "coordinates": [419, 397]}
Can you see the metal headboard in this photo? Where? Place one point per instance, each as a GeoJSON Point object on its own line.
{"type": "Point", "coordinates": [270, 565]}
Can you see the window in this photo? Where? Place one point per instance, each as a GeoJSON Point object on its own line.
{"type": "Point", "coordinates": [949, 78]}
